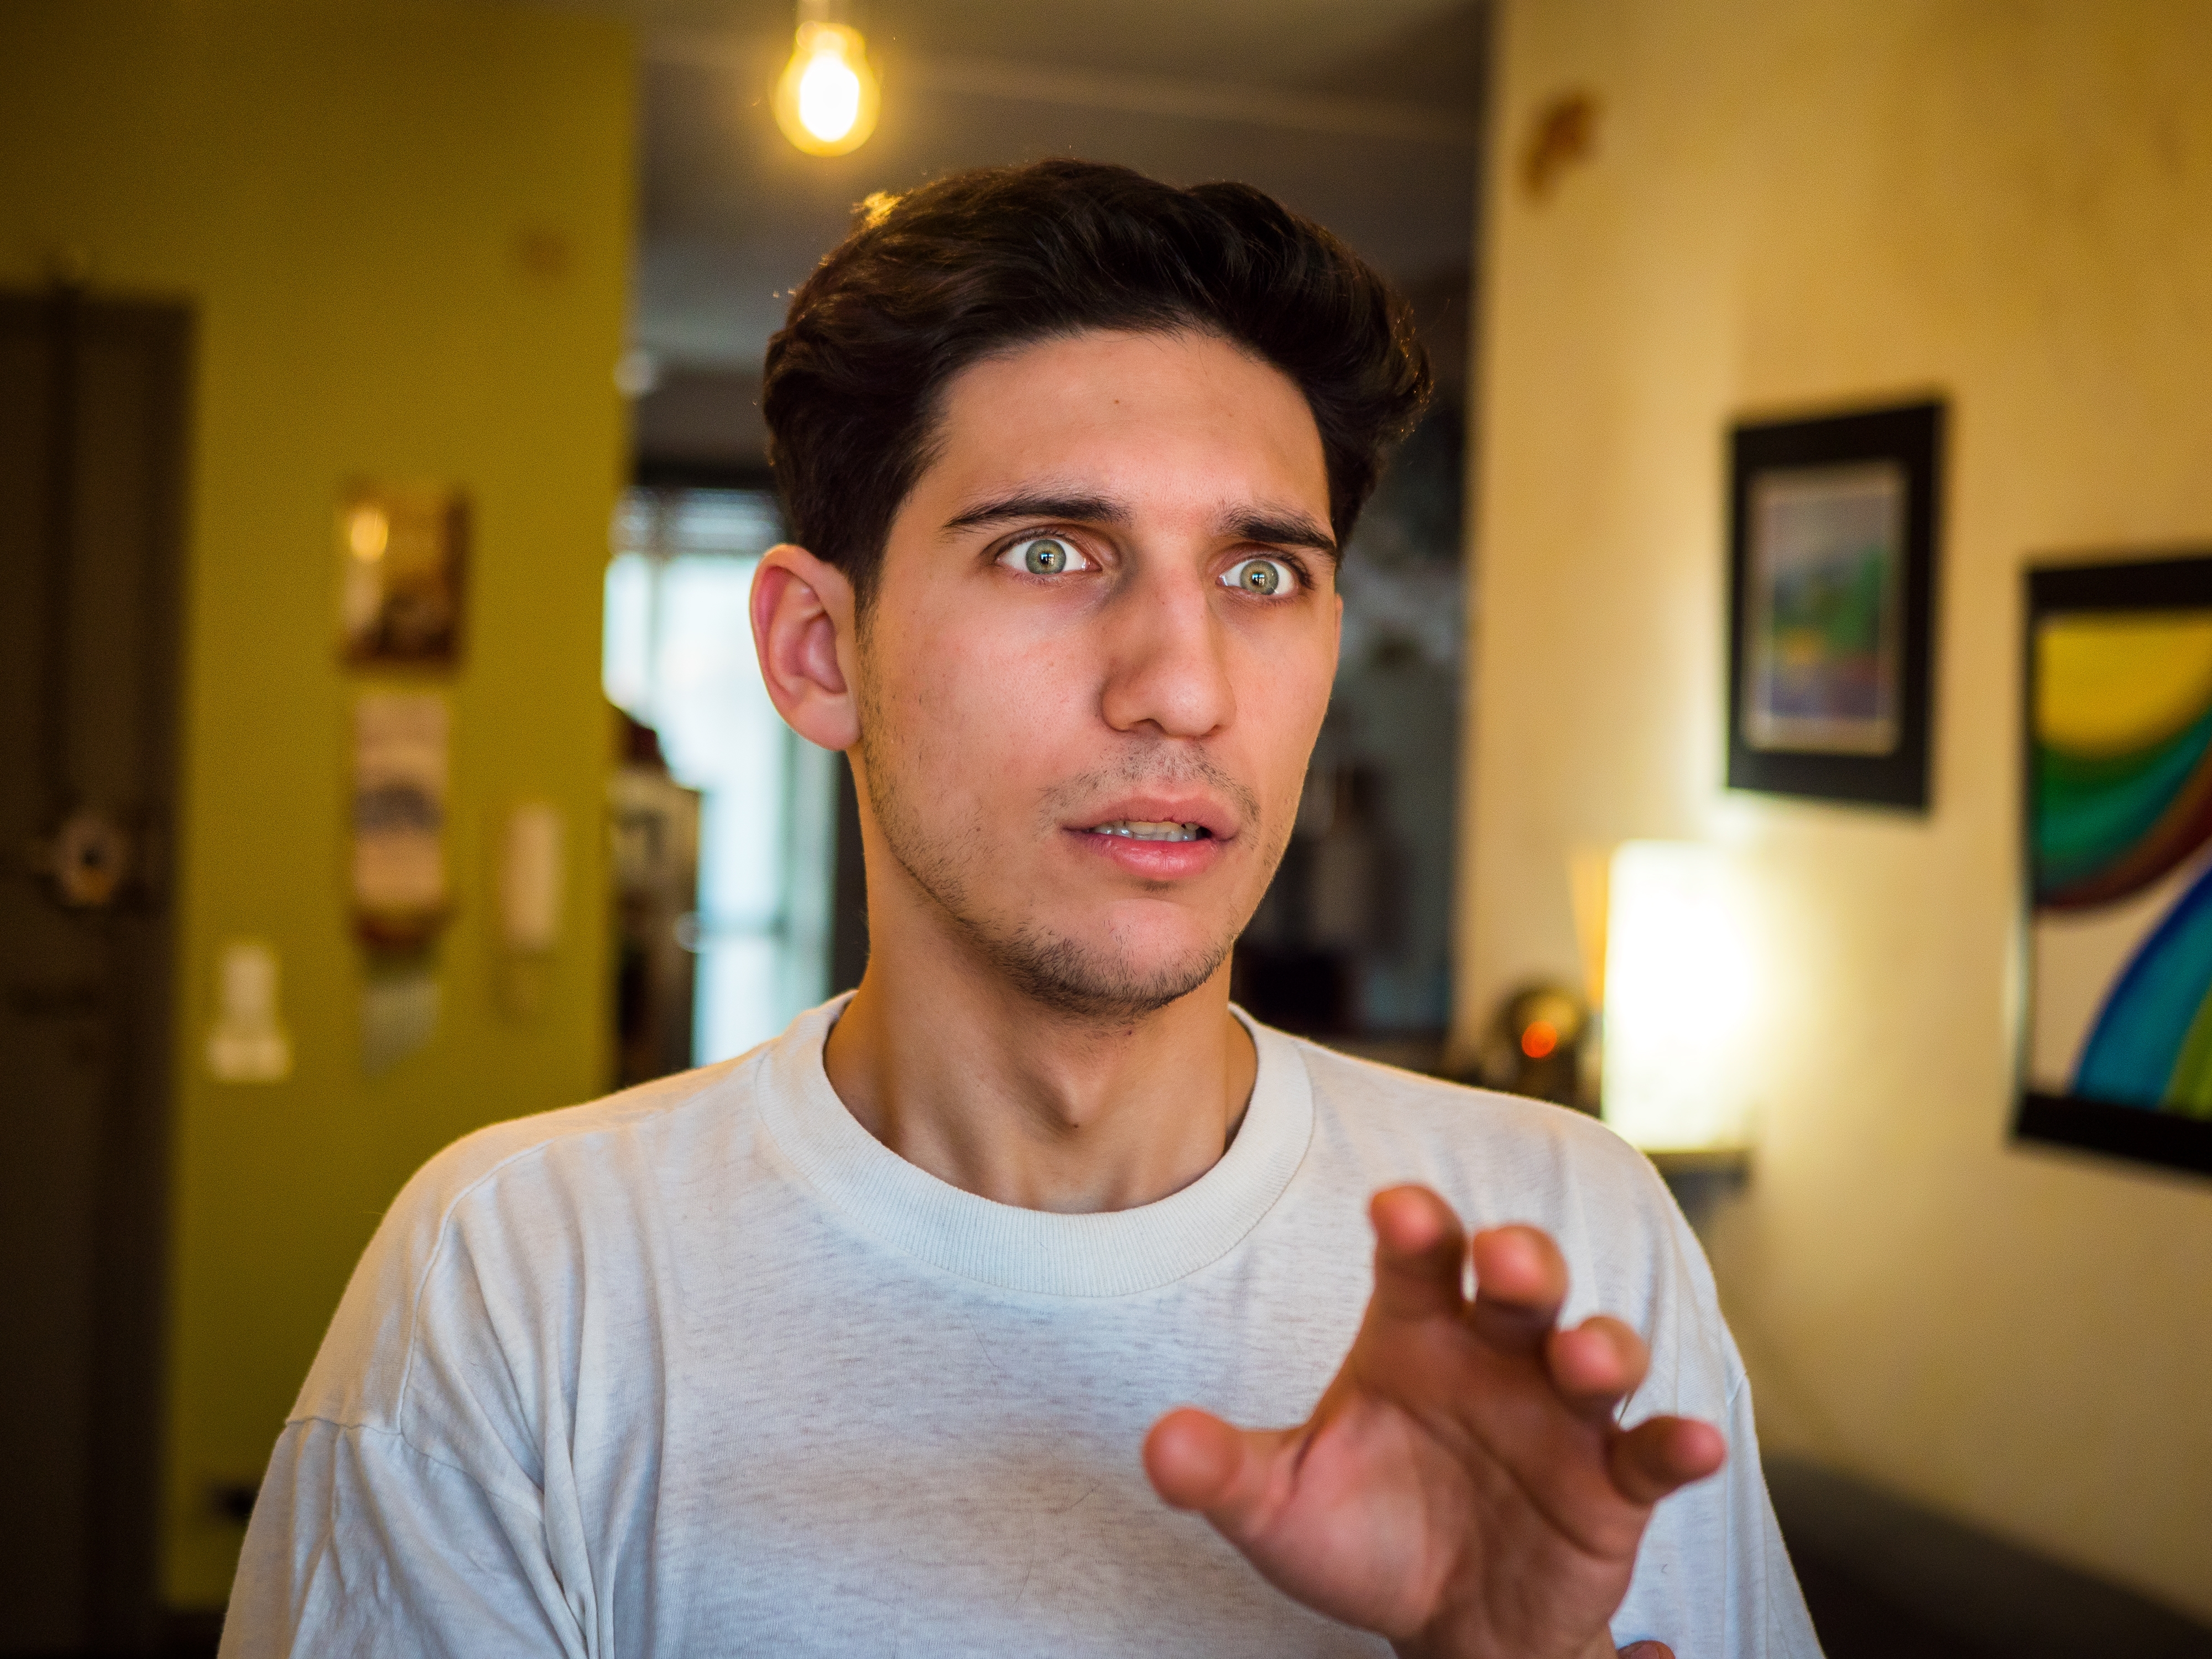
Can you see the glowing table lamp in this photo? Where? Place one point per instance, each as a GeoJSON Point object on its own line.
{"type": "Point", "coordinates": [1678, 986]}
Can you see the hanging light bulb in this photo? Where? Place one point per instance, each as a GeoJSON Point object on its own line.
{"type": "Point", "coordinates": [826, 101]}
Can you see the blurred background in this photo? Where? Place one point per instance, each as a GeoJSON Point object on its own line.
{"type": "Point", "coordinates": [382, 753]}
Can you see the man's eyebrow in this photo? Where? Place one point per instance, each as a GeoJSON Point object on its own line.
{"type": "Point", "coordinates": [1279, 529]}
{"type": "Point", "coordinates": [1078, 509]}
{"type": "Point", "coordinates": [1282, 529]}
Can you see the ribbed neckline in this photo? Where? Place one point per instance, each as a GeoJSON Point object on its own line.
{"type": "Point", "coordinates": [1119, 1253]}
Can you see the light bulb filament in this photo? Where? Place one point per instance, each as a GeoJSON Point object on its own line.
{"type": "Point", "coordinates": [826, 100]}
{"type": "Point", "coordinates": [828, 96]}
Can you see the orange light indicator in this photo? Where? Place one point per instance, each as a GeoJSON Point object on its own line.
{"type": "Point", "coordinates": [1540, 1039]}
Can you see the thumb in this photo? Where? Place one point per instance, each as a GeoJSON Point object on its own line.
{"type": "Point", "coordinates": [1647, 1650]}
{"type": "Point", "coordinates": [1196, 1461]}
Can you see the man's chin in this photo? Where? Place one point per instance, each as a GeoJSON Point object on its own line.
{"type": "Point", "coordinates": [1103, 981]}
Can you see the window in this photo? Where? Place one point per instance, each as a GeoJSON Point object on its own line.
{"type": "Point", "coordinates": [679, 658]}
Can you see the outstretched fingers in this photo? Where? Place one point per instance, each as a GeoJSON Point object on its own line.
{"type": "Point", "coordinates": [1661, 1455]}
{"type": "Point", "coordinates": [1197, 1461]}
{"type": "Point", "coordinates": [1519, 1282]}
{"type": "Point", "coordinates": [1597, 1364]}
{"type": "Point", "coordinates": [1420, 1254]}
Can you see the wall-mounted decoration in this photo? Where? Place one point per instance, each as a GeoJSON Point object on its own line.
{"type": "Point", "coordinates": [1831, 540]}
{"type": "Point", "coordinates": [400, 769]}
{"type": "Point", "coordinates": [1563, 133]}
{"type": "Point", "coordinates": [531, 877]}
{"type": "Point", "coordinates": [2118, 1046]}
{"type": "Point", "coordinates": [249, 1043]}
{"type": "Point", "coordinates": [402, 553]}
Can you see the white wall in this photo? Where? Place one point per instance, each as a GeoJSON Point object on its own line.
{"type": "Point", "coordinates": [1794, 205]}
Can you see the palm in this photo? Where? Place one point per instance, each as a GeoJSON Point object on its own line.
{"type": "Point", "coordinates": [1462, 1487]}
{"type": "Point", "coordinates": [1402, 1491]}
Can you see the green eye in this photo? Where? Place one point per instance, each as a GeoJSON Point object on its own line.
{"type": "Point", "coordinates": [1266, 577]}
{"type": "Point", "coordinates": [1046, 556]}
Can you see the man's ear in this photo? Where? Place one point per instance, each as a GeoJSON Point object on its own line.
{"type": "Point", "coordinates": [803, 631]}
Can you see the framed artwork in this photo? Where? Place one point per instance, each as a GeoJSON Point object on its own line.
{"type": "Point", "coordinates": [1831, 587]}
{"type": "Point", "coordinates": [2118, 1050]}
{"type": "Point", "coordinates": [402, 553]}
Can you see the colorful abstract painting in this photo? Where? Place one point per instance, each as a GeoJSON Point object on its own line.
{"type": "Point", "coordinates": [2120, 860]}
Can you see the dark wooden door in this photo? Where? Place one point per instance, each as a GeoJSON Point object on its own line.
{"type": "Point", "coordinates": [92, 443]}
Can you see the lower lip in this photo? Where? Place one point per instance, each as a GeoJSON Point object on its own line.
{"type": "Point", "coordinates": [1153, 861]}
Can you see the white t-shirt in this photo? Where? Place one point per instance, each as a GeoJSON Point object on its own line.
{"type": "Point", "coordinates": [705, 1368]}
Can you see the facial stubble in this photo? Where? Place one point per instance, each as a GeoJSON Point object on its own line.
{"type": "Point", "coordinates": [1070, 977]}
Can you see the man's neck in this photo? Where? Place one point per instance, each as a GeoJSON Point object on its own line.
{"type": "Point", "coordinates": [981, 1085]}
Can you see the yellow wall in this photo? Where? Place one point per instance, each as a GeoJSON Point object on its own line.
{"type": "Point", "coordinates": [404, 228]}
{"type": "Point", "coordinates": [1794, 204]}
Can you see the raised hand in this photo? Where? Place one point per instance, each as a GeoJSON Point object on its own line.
{"type": "Point", "coordinates": [1462, 1488]}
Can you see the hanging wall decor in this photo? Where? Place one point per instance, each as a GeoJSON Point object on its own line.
{"type": "Point", "coordinates": [402, 895]}
{"type": "Point", "coordinates": [1833, 530]}
{"type": "Point", "coordinates": [403, 554]}
{"type": "Point", "coordinates": [401, 771]}
{"type": "Point", "coordinates": [2118, 1050]}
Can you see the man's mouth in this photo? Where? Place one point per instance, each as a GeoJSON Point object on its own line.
{"type": "Point", "coordinates": [1150, 830]}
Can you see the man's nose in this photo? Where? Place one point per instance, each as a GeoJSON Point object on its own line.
{"type": "Point", "coordinates": [1167, 658]}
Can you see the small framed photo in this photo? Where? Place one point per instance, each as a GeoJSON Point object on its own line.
{"type": "Point", "coordinates": [1831, 584]}
{"type": "Point", "coordinates": [403, 559]}
{"type": "Point", "coordinates": [2117, 1053]}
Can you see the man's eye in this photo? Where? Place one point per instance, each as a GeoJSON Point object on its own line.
{"type": "Point", "coordinates": [1268, 578]}
{"type": "Point", "coordinates": [1044, 555]}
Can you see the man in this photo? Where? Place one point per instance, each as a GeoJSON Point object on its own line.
{"type": "Point", "coordinates": [922, 1329]}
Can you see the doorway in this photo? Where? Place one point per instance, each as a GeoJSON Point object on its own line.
{"type": "Point", "coordinates": [93, 415]}
{"type": "Point", "coordinates": [679, 660]}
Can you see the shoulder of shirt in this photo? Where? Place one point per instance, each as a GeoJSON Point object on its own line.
{"type": "Point", "coordinates": [360, 1372]}
{"type": "Point", "coordinates": [467, 1162]}
{"type": "Point", "coordinates": [1387, 1099]}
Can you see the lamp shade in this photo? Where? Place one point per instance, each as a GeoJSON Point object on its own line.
{"type": "Point", "coordinates": [1679, 988]}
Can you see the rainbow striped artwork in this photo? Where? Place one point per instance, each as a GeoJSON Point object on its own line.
{"type": "Point", "coordinates": [2119, 756]}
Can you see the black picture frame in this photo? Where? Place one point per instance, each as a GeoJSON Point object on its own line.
{"type": "Point", "coordinates": [1858, 731]}
{"type": "Point", "coordinates": [2132, 588]}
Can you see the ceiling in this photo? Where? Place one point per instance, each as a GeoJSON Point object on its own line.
{"type": "Point", "coordinates": [1362, 113]}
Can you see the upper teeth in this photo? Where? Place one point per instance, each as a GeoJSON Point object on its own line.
{"type": "Point", "coordinates": [1146, 829]}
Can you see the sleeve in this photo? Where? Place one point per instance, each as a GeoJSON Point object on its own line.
{"type": "Point", "coordinates": [361, 1544]}
{"type": "Point", "coordinates": [419, 1501]}
{"type": "Point", "coordinates": [1713, 1580]}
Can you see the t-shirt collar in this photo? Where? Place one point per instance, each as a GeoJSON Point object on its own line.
{"type": "Point", "coordinates": [1115, 1253]}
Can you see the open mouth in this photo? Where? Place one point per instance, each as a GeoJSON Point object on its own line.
{"type": "Point", "coordinates": [1150, 830]}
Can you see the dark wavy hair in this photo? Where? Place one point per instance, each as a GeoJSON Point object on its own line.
{"type": "Point", "coordinates": [983, 262]}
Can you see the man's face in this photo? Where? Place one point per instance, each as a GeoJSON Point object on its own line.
{"type": "Point", "coordinates": [1098, 659]}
